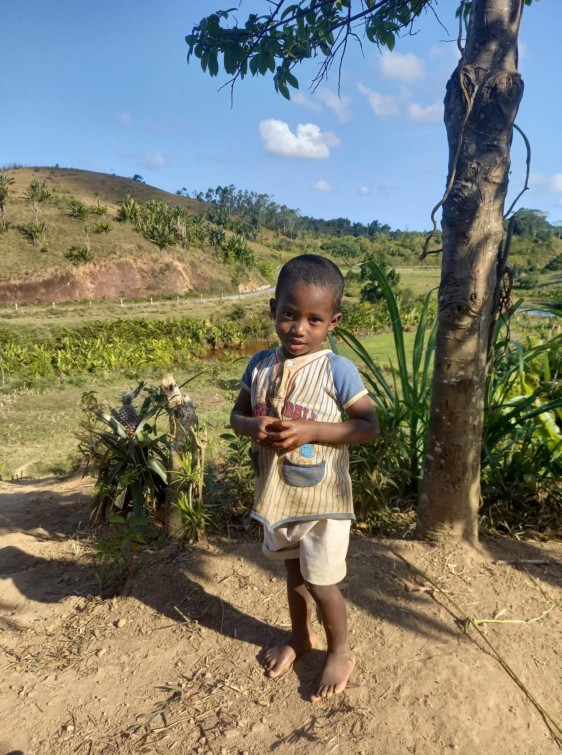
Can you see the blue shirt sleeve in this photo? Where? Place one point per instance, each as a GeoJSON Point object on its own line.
{"type": "Point", "coordinates": [347, 381]}
{"type": "Point", "coordinates": [246, 381]}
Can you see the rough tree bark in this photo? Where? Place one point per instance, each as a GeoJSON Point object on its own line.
{"type": "Point", "coordinates": [481, 104]}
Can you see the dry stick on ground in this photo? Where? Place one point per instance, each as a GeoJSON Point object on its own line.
{"type": "Point", "coordinates": [495, 620]}
{"type": "Point", "coordinates": [468, 621]}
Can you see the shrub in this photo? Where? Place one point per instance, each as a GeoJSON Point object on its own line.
{"type": "Point", "coordinates": [78, 255]}
{"type": "Point", "coordinates": [77, 209]}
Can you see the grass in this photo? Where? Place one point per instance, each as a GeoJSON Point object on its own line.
{"type": "Point", "coordinates": [419, 279]}
{"type": "Point", "coordinates": [381, 348]}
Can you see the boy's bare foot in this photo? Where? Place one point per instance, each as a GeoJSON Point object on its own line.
{"type": "Point", "coordinates": [338, 669]}
{"type": "Point", "coordinates": [279, 659]}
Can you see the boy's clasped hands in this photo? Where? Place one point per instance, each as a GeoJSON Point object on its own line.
{"type": "Point", "coordinates": [286, 435]}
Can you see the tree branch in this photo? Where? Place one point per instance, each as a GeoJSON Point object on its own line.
{"type": "Point", "coordinates": [526, 184]}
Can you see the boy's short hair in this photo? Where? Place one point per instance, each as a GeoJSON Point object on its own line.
{"type": "Point", "coordinates": [313, 270]}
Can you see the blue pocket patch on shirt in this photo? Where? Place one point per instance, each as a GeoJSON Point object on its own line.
{"type": "Point", "coordinates": [303, 476]}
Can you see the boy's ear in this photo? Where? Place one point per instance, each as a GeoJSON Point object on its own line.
{"type": "Point", "coordinates": [334, 322]}
{"type": "Point", "coordinates": [272, 307]}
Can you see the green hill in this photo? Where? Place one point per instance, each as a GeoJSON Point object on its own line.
{"type": "Point", "coordinates": [71, 235]}
{"type": "Point", "coordinates": [71, 246]}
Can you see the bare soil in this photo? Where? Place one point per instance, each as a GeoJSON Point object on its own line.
{"type": "Point", "coordinates": [171, 663]}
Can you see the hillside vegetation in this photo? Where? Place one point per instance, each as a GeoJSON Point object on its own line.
{"type": "Point", "coordinates": [71, 235]}
{"type": "Point", "coordinates": [71, 246]}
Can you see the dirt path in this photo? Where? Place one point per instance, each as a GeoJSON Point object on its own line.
{"type": "Point", "coordinates": [171, 663]}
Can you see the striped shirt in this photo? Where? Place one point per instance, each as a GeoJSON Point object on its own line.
{"type": "Point", "coordinates": [312, 482]}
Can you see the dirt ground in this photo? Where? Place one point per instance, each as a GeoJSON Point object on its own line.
{"type": "Point", "coordinates": [171, 663]}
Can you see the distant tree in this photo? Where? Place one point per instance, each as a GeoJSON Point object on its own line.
{"type": "Point", "coordinates": [138, 178]}
{"type": "Point", "coordinates": [5, 182]}
{"type": "Point", "coordinates": [371, 290]}
{"type": "Point", "coordinates": [532, 223]}
{"type": "Point", "coordinates": [37, 193]}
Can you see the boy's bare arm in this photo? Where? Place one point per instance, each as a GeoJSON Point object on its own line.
{"type": "Point", "coordinates": [243, 423]}
{"type": "Point", "coordinates": [362, 426]}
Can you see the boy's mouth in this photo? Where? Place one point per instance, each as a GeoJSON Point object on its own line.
{"type": "Point", "coordinates": [294, 344]}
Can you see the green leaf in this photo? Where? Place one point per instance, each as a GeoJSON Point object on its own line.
{"type": "Point", "coordinates": [255, 64]}
{"type": "Point", "coordinates": [158, 468]}
{"type": "Point", "coordinates": [213, 63]}
{"type": "Point", "coordinates": [292, 80]}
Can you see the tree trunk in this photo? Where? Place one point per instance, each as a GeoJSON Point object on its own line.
{"type": "Point", "coordinates": [481, 103]}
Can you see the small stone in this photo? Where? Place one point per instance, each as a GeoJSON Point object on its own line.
{"type": "Point", "coordinates": [120, 623]}
{"type": "Point", "coordinates": [69, 728]}
{"type": "Point", "coordinates": [229, 733]}
{"type": "Point", "coordinates": [101, 651]}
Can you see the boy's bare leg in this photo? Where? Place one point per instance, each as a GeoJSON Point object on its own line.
{"type": "Point", "coordinates": [340, 661]}
{"type": "Point", "coordinates": [302, 638]}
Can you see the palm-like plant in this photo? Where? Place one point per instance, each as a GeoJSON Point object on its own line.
{"type": "Point", "coordinates": [37, 193]}
{"type": "Point", "coordinates": [5, 182]}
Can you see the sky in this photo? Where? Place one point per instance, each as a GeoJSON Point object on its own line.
{"type": "Point", "coordinates": [105, 86]}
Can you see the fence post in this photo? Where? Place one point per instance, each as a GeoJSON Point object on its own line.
{"type": "Point", "coordinates": [121, 302]}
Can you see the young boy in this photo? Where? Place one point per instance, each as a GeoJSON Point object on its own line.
{"type": "Point", "coordinates": [290, 405]}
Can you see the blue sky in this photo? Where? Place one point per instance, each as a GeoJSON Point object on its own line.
{"type": "Point", "coordinates": [104, 86]}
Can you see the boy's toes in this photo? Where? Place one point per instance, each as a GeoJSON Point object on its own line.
{"type": "Point", "coordinates": [336, 675]}
{"type": "Point", "coordinates": [279, 660]}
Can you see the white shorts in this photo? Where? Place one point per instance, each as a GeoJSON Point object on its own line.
{"type": "Point", "coordinates": [321, 547]}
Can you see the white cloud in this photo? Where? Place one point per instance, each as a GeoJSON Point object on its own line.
{"type": "Point", "coordinates": [547, 184]}
{"type": "Point", "coordinates": [383, 105]}
{"type": "Point", "coordinates": [429, 114]}
{"type": "Point", "coordinates": [300, 99]}
{"type": "Point", "coordinates": [556, 183]}
{"type": "Point", "coordinates": [365, 190]}
{"type": "Point", "coordinates": [338, 105]}
{"type": "Point", "coordinates": [154, 160]}
{"type": "Point", "coordinates": [322, 186]}
{"type": "Point", "coordinates": [401, 66]}
{"type": "Point", "coordinates": [125, 118]}
{"type": "Point", "coordinates": [308, 143]}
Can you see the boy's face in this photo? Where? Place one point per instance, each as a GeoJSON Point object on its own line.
{"type": "Point", "coordinates": [303, 315]}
